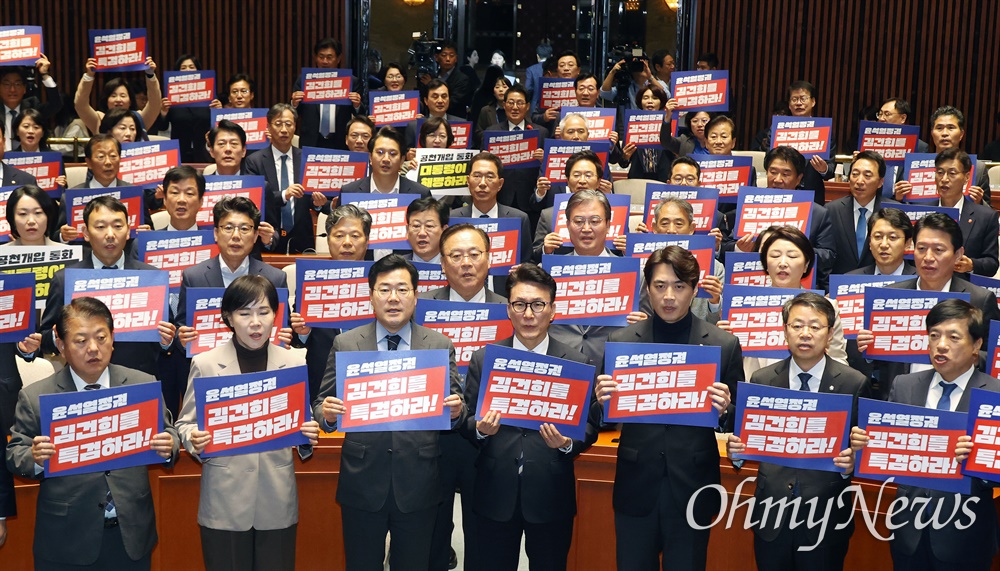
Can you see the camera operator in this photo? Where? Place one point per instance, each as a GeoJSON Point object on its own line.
{"type": "Point", "coordinates": [627, 77]}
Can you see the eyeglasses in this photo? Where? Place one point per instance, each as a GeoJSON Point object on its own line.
{"type": "Point", "coordinates": [437, 137]}
{"type": "Point", "coordinates": [885, 114]}
{"type": "Point", "coordinates": [582, 175]}
{"type": "Point", "coordinates": [478, 176]}
{"type": "Point", "coordinates": [285, 124]}
{"type": "Point", "coordinates": [593, 221]}
{"type": "Point", "coordinates": [386, 292]}
{"type": "Point", "coordinates": [239, 91]}
{"type": "Point", "coordinates": [799, 99]}
{"type": "Point", "coordinates": [359, 136]}
{"type": "Point", "coordinates": [680, 179]}
{"type": "Point", "coordinates": [395, 77]}
{"type": "Point", "coordinates": [522, 306]}
{"type": "Point", "coordinates": [949, 173]}
{"type": "Point", "coordinates": [12, 85]}
{"type": "Point", "coordinates": [516, 103]}
{"type": "Point", "coordinates": [244, 229]}
{"type": "Point", "coordinates": [457, 257]}
{"type": "Point", "coordinates": [813, 328]}
{"type": "Point", "coordinates": [417, 227]}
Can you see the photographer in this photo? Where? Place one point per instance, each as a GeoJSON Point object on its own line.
{"type": "Point", "coordinates": [632, 73]}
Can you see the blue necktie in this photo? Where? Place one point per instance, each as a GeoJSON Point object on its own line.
{"type": "Point", "coordinates": [109, 502]}
{"type": "Point", "coordinates": [946, 389]}
{"type": "Point", "coordinates": [287, 215]}
{"type": "Point", "coordinates": [861, 231]}
{"type": "Point", "coordinates": [324, 119]}
{"type": "Point", "coordinates": [804, 377]}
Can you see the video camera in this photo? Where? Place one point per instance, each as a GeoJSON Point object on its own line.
{"type": "Point", "coordinates": [422, 54]}
{"type": "Point", "coordinates": [633, 55]}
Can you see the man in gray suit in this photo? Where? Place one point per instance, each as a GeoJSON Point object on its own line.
{"type": "Point", "coordinates": [389, 481]}
{"type": "Point", "coordinates": [485, 182]}
{"type": "Point", "coordinates": [101, 520]}
{"type": "Point", "coordinates": [955, 330]}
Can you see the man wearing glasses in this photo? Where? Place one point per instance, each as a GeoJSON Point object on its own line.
{"type": "Point", "coordinates": [387, 150]}
{"type": "Point", "coordinates": [389, 481]}
{"type": "Point", "coordinates": [583, 172]}
{"type": "Point", "coordinates": [801, 102]}
{"type": "Point", "coordinates": [536, 495]}
{"type": "Point", "coordinates": [286, 207]}
{"type": "Point", "coordinates": [437, 100]}
{"type": "Point", "coordinates": [486, 178]}
{"type": "Point", "coordinates": [237, 223]}
{"type": "Point", "coordinates": [519, 188]}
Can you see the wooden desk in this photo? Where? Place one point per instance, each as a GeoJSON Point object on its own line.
{"type": "Point", "coordinates": [320, 543]}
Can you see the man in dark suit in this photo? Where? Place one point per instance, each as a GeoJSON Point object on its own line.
{"type": "Point", "coordinates": [583, 172]}
{"type": "Point", "coordinates": [956, 330]}
{"type": "Point", "coordinates": [808, 320]}
{"type": "Point", "coordinates": [937, 248]}
{"type": "Point", "coordinates": [102, 153]}
{"type": "Point", "coordinates": [387, 150]}
{"type": "Point", "coordinates": [227, 145]}
{"type": "Point", "coordinates": [14, 86]}
{"type": "Point", "coordinates": [437, 100]}
{"type": "Point", "coordinates": [347, 231]}
{"type": "Point", "coordinates": [978, 222]}
{"type": "Point", "coordinates": [286, 206]}
{"type": "Point", "coordinates": [459, 86]}
{"type": "Point", "coordinates": [889, 233]}
{"type": "Point", "coordinates": [324, 125]}
{"type": "Point", "coordinates": [485, 181]}
{"type": "Point", "coordinates": [524, 479]}
{"type": "Point", "coordinates": [10, 385]}
{"type": "Point", "coordinates": [849, 215]}
{"type": "Point", "coordinates": [10, 176]}
{"type": "Point", "coordinates": [106, 229]}
{"type": "Point", "coordinates": [465, 260]}
{"type": "Point", "coordinates": [389, 481]}
{"type": "Point", "coordinates": [102, 520]}
{"type": "Point", "coordinates": [661, 466]}
{"type": "Point", "coordinates": [519, 184]}
{"type": "Point", "coordinates": [237, 221]}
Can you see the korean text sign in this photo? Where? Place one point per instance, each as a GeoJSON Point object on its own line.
{"type": "Point", "coordinates": [17, 306]}
{"type": "Point", "coordinates": [253, 121]}
{"type": "Point", "coordinates": [792, 428]}
{"type": "Point", "coordinates": [505, 241]}
{"type": "Point", "coordinates": [45, 166]}
{"type": "Point", "coordinates": [704, 203]}
{"type": "Point", "coordinates": [896, 318]}
{"type": "Point", "coordinates": [253, 412]}
{"type": "Point", "coordinates": [811, 136]}
{"type": "Point", "coordinates": [192, 88]}
{"type": "Point", "coordinates": [557, 92]}
{"type": "Point", "coordinates": [893, 142]}
{"type": "Point", "coordinates": [218, 187]}
{"type": "Point", "coordinates": [388, 217]}
{"type": "Point", "coordinates": [746, 269]}
{"type": "Point", "coordinates": [755, 316]}
{"type": "Point", "coordinates": [642, 246]}
{"type": "Point", "coordinates": [515, 149]}
{"type": "Point", "coordinates": [913, 444]}
{"type": "Point", "coordinates": [137, 298]}
{"type": "Point", "coordinates": [145, 163]}
{"type": "Point", "coordinates": [758, 209]}
{"type": "Point", "coordinates": [662, 384]}
{"type": "Point", "coordinates": [701, 90]}
{"type": "Point", "coordinates": [726, 173]}
{"type": "Point", "coordinates": [328, 171]}
{"type": "Point", "coordinates": [470, 326]}
{"type": "Point", "coordinates": [107, 429]}
{"type": "Point", "coordinates": [617, 226]}
{"type": "Point", "coordinates": [642, 128]}
{"type": "Point", "coordinates": [333, 293]}
{"type": "Point", "coordinates": [130, 196]}
{"type": "Point", "coordinates": [41, 261]}
{"type": "Point", "coordinates": [176, 251]}
{"type": "Point", "coordinates": [529, 389]}
{"type": "Point", "coordinates": [593, 290]}
{"type": "Point", "coordinates": [119, 50]}
{"type": "Point", "coordinates": [849, 293]}
{"type": "Point", "coordinates": [984, 427]}
{"type": "Point", "coordinates": [322, 85]}
{"type": "Point", "coordinates": [393, 390]}
{"type": "Point", "coordinates": [394, 108]}
{"type": "Point", "coordinates": [20, 45]}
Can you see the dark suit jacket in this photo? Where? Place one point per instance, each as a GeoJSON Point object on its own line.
{"type": "Point", "coordinates": [13, 176]}
{"type": "Point", "coordinates": [53, 102]}
{"type": "Point", "coordinates": [10, 385]}
{"type": "Point", "coordinates": [460, 91]}
{"type": "Point", "coordinates": [687, 455]}
{"type": "Point", "coordinates": [70, 520]}
{"type": "Point", "coordinates": [908, 270]}
{"type": "Point", "coordinates": [372, 461]}
{"type": "Point", "coordinates": [546, 488]}
{"type": "Point", "coordinates": [302, 234]}
{"type": "Point", "coordinates": [209, 274]}
{"type": "Point", "coordinates": [779, 482]}
{"type": "Point", "coordinates": [841, 213]}
{"type": "Point", "coordinates": [406, 186]}
{"type": "Point", "coordinates": [979, 297]}
{"type": "Point", "coordinates": [142, 356]}
{"type": "Point", "coordinates": [505, 211]}
{"type": "Point", "coordinates": [980, 228]}
{"type": "Point", "coordinates": [519, 184]}
{"type": "Point", "coordinates": [979, 541]}
{"type": "Point", "coordinates": [445, 292]}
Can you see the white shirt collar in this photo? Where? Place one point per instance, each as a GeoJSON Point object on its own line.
{"type": "Point", "coordinates": [478, 297]}
{"type": "Point", "coordinates": [435, 260]}
{"type": "Point", "coordinates": [491, 213]}
{"type": "Point", "coordinates": [947, 286]}
{"type": "Point", "coordinates": [98, 264]}
{"type": "Point", "coordinates": [170, 227]}
{"type": "Point", "coordinates": [897, 272]}
{"type": "Point", "coordinates": [522, 125]}
{"type": "Point", "coordinates": [395, 187]}
{"type": "Point", "coordinates": [95, 184]}
{"type": "Point", "coordinates": [104, 380]}
{"type": "Point", "coordinates": [241, 270]}
{"type": "Point", "coordinates": [605, 253]}
{"type": "Point", "coordinates": [869, 206]}
{"type": "Point", "coordinates": [935, 392]}
{"type": "Point", "coordinates": [815, 373]}
{"type": "Point", "coordinates": [540, 349]}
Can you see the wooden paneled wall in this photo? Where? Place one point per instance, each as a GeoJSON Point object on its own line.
{"type": "Point", "coordinates": [858, 53]}
{"type": "Point", "coordinates": [269, 39]}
